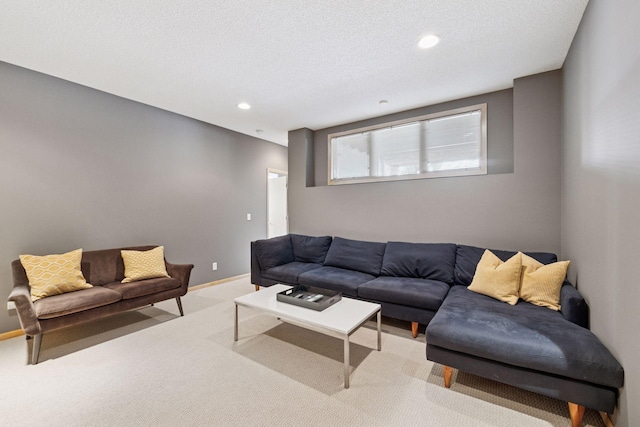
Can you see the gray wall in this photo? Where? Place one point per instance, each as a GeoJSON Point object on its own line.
{"type": "Point", "coordinates": [516, 206]}
{"type": "Point", "coordinates": [82, 168]}
{"type": "Point", "coordinates": [601, 181]}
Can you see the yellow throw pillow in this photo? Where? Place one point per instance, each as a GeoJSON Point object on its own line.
{"type": "Point", "coordinates": [541, 283]}
{"type": "Point", "coordinates": [498, 279]}
{"type": "Point", "coordinates": [141, 265]}
{"type": "Point", "coordinates": [54, 274]}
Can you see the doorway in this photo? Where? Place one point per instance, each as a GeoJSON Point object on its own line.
{"type": "Point", "coordinates": [277, 216]}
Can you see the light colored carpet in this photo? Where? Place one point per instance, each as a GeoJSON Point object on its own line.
{"type": "Point", "coordinates": [150, 367]}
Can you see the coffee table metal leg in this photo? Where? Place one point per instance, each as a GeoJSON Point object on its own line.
{"type": "Point", "coordinates": [379, 330]}
{"type": "Point", "coordinates": [235, 325]}
{"type": "Point", "coordinates": [346, 361]}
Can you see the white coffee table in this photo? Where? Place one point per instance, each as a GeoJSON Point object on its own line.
{"type": "Point", "coordinates": [339, 320]}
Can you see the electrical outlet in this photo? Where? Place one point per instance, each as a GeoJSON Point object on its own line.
{"type": "Point", "coordinates": [248, 217]}
{"type": "Point", "coordinates": [214, 266]}
{"type": "Point", "coordinates": [11, 305]}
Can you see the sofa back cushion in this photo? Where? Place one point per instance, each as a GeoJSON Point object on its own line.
{"type": "Point", "coordinates": [357, 255]}
{"type": "Point", "coordinates": [468, 257]}
{"type": "Point", "coordinates": [273, 252]}
{"type": "Point", "coordinates": [105, 266]}
{"type": "Point", "coordinates": [433, 261]}
{"type": "Point", "coordinates": [309, 248]}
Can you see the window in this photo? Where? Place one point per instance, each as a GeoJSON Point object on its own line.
{"type": "Point", "coordinates": [451, 143]}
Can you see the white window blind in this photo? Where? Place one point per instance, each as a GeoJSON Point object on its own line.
{"type": "Point", "coordinates": [446, 144]}
{"type": "Point", "coordinates": [454, 142]}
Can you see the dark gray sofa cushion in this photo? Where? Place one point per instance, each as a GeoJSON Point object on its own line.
{"type": "Point", "coordinates": [522, 335]}
{"type": "Point", "coordinates": [410, 291]}
{"type": "Point", "coordinates": [434, 261]}
{"type": "Point", "coordinates": [309, 248]}
{"type": "Point", "coordinates": [336, 279]}
{"type": "Point", "coordinates": [289, 273]}
{"type": "Point", "coordinates": [357, 255]}
{"type": "Point", "coordinates": [468, 257]}
{"type": "Point", "coordinates": [273, 252]}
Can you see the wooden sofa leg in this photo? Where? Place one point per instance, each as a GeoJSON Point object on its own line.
{"type": "Point", "coordinates": [448, 370]}
{"type": "Point", "coordinates": [414, 329]}
{"type": "Point", "coordinates": [576, 411]}
{"type": "Point", "coordinates": [180, 306]}
{"type": "Point", "coordinates": [35, 352]}
{"type": "Point", "coordinates": [257, 287]}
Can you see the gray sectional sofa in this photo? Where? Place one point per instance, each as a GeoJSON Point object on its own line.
{"type": "Point", "coordinates": [548, 352]}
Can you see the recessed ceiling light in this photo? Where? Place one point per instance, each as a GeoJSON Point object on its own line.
{"type": "Point", "coordinates": [383, 102]}
{"type": "Point", "coordinates": [259, 131]}
{"type": "Point", "coordinates": [244, 106]}
{"type": "Point", "coordinates": [428, 41]}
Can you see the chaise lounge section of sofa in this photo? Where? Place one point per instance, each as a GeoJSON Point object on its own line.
{"type": "Point", "coordinates": [104, 269]}
{"type": "Point", "coordinates": [524, 345]}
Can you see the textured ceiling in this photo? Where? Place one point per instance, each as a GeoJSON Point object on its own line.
{"type": "Point", "coordinates": [299, 63]}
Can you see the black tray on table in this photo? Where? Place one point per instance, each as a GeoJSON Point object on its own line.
{"type": "Point", "coordinates": [300, 295]}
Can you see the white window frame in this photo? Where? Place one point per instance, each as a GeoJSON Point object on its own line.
{"type": "Point", "coordinates": [481, 170]}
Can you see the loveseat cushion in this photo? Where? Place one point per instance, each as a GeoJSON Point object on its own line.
{"type": "Point", "coordinates": [336, 279]}
{"type": "Point", "coordinates": [310, 248]}
{"type": "Point", "coordinates": [106, 265]}
{"type": "Point", "coordinates": [468, 257]}
{"type": "Point", "coordinates": [288, 273]}
{"type": "Point", "coordinates": [141, 265]}
{"type": "Point", "coordinates": [73, 302]}
{"type": "Point", "coordinates": [434, 261]}
{"type": "Point", "coordinates": [410, 291]}
{"type": "Point", "coordinates": [143, 287]}
{"type": "Point", "coordinates": [273, 252]}
{"type": "Point", "coordinates": [365, 257]}
{"type": "Point", "coordinates": [54, 274]}
{"type": "Point", "coordinates": [522, 335]}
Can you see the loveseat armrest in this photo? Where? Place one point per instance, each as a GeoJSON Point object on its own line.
{"type": "Point", "coordinates": [573, 306]}
{"type": "Point", "coordinates": [182, 272]}
{"type": "Point", "coordinates": [21, 296]}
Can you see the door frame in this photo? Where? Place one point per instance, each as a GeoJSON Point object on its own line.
{"type": "Point", "coordinates": [279, 172]}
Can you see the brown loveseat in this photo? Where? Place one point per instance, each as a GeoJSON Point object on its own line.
{"type": "Point", "coordinates": [104, 269]}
